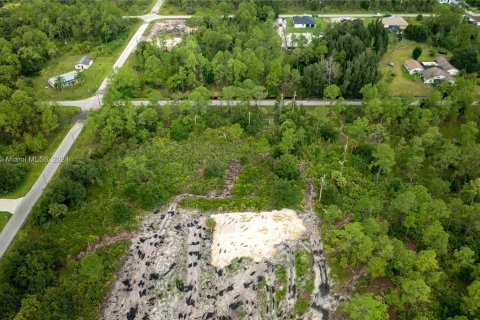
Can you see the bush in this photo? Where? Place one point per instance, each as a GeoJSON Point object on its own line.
{"type": "Point", "coordinates": [214, 169]}
{"type": "Point", "coordinates": [121, 212]}
{"type": "Point", "coordinates": [12, 176]}
{"type": "Point", "coordinates": [416, 53]}
{"type": "Point", "coordinates": [286, 167]}
{"type": "Point", "coordinates": [286, 194]}
{"type": "Point", "coordinates": [417, 33]}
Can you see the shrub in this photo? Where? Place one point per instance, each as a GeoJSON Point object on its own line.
{"type": "Point", "coordinates": [121, 212]}
{"type": "Point", "coordinates": [12, 176]}
{"type": "Point", "coordinates": [286, 167]}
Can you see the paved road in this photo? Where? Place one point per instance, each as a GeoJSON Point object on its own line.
{"type": "Point", "coordinates": [92, 103]}
{"type": "Point", "coordinates": [154, 16]}
{"type": "Point", "coordinates": [22, 211]}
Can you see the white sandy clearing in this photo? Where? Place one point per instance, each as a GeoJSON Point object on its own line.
{"type": "Point", "coordinates": [252, 234]}
{"type": "Point", "coordinates": [10, 205]}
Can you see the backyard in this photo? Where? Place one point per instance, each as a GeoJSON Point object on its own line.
{"type": "Point", "coordinates": [397, 53]}
{"type": "Point", "coordinates": [104, 56]}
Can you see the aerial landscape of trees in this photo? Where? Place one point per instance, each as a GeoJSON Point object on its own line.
{"type": "Point", "coordinates": [396, 180]}
{"type": "Point", "coordinates": [234, 55]}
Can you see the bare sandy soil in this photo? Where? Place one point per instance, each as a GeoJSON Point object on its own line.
{"type": "Point", "coordinates": [254, 235]}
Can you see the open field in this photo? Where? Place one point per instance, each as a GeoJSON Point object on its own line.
{"type": "Point", "coordinates": [65, 115]}
{"type": "Point", "coordinates": [4, 217]}
{"type": "Point", "coordinates": [103, 59]}
{"type": "Point", "coordinates": [402, 83]}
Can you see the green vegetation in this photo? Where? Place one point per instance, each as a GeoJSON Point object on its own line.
{"type": "Point", "coordinates": [302, 6]}
{"type": "Point", "coordinates": [321, 26]}
{"type": "Point", "coordinates": [104, 56]}
{"type": "Point", "coordinates": [224, 59]}
{"type": "Point", "coordinates": [28, 172]}
{"type": "Point", "coordinates": [401, 82]}
{"type": "Point", "coordinates": [4, 216]}
{"type": "Point", "coordinates": [305, 280]}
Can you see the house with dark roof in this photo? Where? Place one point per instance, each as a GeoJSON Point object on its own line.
{"type": "Point", "coordinates": [84, 63]}
{"type": "Point", "coordinates": [412, 66]}
{"type": "Point", "coordinates": [443, 63]}
{"type": "Point", "coordinates": [436, 74]}
{"type": "Point", "coordinates": [303, 22]}
{"type": "Point", "coordinates": [64, 80]}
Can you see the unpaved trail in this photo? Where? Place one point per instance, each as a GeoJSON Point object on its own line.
{"type": "Point", "coordinates": [324, 301]}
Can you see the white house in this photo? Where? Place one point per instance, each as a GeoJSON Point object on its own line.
{"type": "Point", "coordinates": [412, 66]}
{"type": "Point", "coordinates": [303, 22]}
{"type": "Point", "coordinates": [67, 79]}
{"type": "Point", "coordinates": [84, 63]}
{"type": "Point", "coordinates": [436, 74]}
{"type": "Point", "coordinates": [446, 65]}
{"type": "Point", "coordinates": [448, 1]}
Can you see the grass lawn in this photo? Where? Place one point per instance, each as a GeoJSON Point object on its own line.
{"type": "Point", "coordinates": [35, 168]}
{"type": "Point", "coordinates": [321, 26]}
{"type": "Point", "coordinates": [397, 53]}
{"type": "Point", "coordinates": [103, 59]}
{"type": "Point", "coordinates": [4, 216]}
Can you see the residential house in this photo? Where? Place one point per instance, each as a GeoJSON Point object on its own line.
{"type": "Point", "coordinates": [67, 79]}
{"type": "Point", "coordinates": [474, 20]}
{"type": "Point", "coordinates": [436, 74]}
{"type": "Point", "coordinates": [84, 63]}
{"type": "Point", "coordinates": [446, 65]}
{"type": "Point", "coordinates": [303, 22]}
{"type": "Point", "coordinates": [412, 66]}
{"type": "Point", "coordinates": [448, 1]}
{"type": "Point", "coordinates": [428, 64]}
{"type": "Point", "coordinates": [388, 22]}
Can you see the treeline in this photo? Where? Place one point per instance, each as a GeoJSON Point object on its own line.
{"type": "Point", "coordinates": [450, 29]}
{"type": "Point", "coordinates": [314, 5]}
{"type": "Point", "coordinates": [230, 55]}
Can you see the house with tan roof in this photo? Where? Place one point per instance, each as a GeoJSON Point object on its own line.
{"type": "Point", "coordinates": [412, 66]}
{"type": "Point", "coordinates": [389, 22]}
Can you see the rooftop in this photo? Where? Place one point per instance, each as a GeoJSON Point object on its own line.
{"type": "Point", "coordinates": [84, 60]}
{"type": "Point", "coordinates": [413, 64]}
{"type": "Point", "coordinates": [395, 21]}
{"type": "Point", "coordinates": [433, 72]}
{"type": "Point", "coordinates": [69, 76]}
{"type": "Point", "coordinates": [303, 20]}
{"type": "Point", "coordinates": [444, 63]}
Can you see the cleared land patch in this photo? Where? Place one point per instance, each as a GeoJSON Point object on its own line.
{"type": "Point", "coordinates": [252, 234]}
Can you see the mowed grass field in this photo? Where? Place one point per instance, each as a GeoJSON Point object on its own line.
{"type": "Point", "coordinates": [402, 83]}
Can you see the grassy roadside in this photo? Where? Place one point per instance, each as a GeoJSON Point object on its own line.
{"type": "Point", "coordinates": [104, 57]}
{"type": "Point", "coordinates": [4, 217]}
{"type": "Point", "coordinates": [36, 168]}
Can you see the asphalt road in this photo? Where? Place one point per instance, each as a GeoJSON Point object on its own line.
{"type": "Point", "coordinates": [93, 103]}
{"type": "Point", "coordinates": [155, 16]}
{"type": "Point", "coordinates": [17, 220]}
